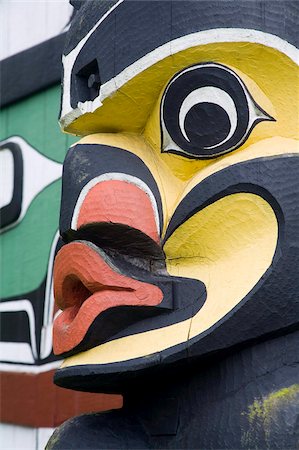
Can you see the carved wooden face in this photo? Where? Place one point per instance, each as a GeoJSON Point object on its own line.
{"type": "Point", "coordinates": [179, 204]}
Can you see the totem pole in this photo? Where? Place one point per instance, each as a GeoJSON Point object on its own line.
{"type": "Point", "coordinates": [177, 268]}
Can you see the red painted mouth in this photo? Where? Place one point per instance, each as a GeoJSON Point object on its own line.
{"type": "Point", "coordinates": [85, 286]}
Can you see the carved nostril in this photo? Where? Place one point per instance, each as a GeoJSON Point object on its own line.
{"type": "Point", "coordinates": [74, 292]}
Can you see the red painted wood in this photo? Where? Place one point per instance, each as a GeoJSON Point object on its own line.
{"type": "Point", "coordinates": [119, 202]}
{"type": "Point", "coordinates": [33, 400]}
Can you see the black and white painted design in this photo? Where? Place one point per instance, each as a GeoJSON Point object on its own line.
{"type": "Point", "coordinates": [26, 326]}
{"type": "Point", "coordinates": [11, 163]}
{"type": "Point", "coordinates": [26, 320]}
{"type": "Point", "coordinates": [206, 111]}
{"type": "Point", "coordinates": [25, 173]}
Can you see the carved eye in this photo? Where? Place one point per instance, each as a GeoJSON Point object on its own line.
{"type": "Point", "coordinates": [206, 111]}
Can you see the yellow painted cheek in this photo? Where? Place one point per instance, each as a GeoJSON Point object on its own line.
{"type": "Point", "coordinates": [229, 246]}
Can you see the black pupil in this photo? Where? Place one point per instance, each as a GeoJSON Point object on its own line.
{"type": "Point", "coordinates": [207, 124]}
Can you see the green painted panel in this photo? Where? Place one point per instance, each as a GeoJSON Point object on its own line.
{"type": "Point", "coordinates": [24, 249]}
{"type": "Point", "coordinates": [36, 120]}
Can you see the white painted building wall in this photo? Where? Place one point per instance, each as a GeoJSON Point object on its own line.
{"type": "Point", "coordinates": [15, 437]}
{"type": "Point", "coordinates": [25, 23]}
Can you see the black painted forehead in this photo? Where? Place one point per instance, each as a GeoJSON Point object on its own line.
{"type": "Point", "coordinates": [153, 23]}
{"type": "Point", "coordinates": [88, 14]}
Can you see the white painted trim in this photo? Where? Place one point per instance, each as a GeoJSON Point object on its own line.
{"type": "Point", "coordinates": [48, 310]}
{"type": "Point", "coordinates": [25, 368]}
{"type": "Point", "coordinates": [7, 176]}
{"type": "Point", "coordinates": [16, 352]}
{"type": "Point", "coordinates": [219, 35]}
{"type": "Point", "coordinates": [119, 177]}
{"type": "Point", "coordinates": [47, 328]}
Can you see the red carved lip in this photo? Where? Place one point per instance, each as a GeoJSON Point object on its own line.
{"type": "Point", "coordinates": [85, 286]}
